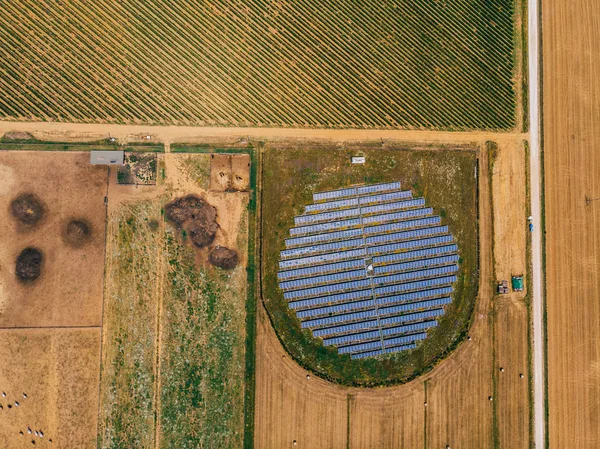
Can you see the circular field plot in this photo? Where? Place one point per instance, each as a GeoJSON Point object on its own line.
{"type": "Point", "coordinates": [369, 269]}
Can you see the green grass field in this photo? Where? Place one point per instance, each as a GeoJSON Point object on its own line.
{"type": "Point", "coordinates": [373, 64]}
{"type": "Point", "coordinates": [446, 180]}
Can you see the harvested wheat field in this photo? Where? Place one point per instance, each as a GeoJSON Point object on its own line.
{"type": "Point", "coordinates": [572, 173]}
{"type": "Point", "coordinates": [461, 403]}
{"type": "Point", "coordinates": [49, 384]}
{"type": "Point", "coordinates": [173, 355]}
{"type": "Point", "coordinates": [51, 239]}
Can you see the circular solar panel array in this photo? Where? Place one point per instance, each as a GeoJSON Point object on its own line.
{"type": "Point", "coordinates": [368, 269]}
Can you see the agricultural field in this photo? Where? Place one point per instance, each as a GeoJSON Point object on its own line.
{"type": "Point", "coordinates": [450, 405]}
{"type": "Point", "coordinates": [436, 65]}
{"type": "Point", "coordinates": [571, 163]}
{"type": "Point", "coordinates": [173, 362]}
{"type": "Point", "coordinates": [447, 181]}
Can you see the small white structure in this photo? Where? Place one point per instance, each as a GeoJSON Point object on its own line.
{"type": "Point", "coordinates": [358, 159]}
{"type": "Point", "coordinates": [107, 157]}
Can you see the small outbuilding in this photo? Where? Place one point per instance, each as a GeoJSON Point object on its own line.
{"type": "Point", "coordinates": [358, 159]}
{"type": "Point", "coordinates": [517, 283]}
{"type": "Point", "coordinates": [107, 157]}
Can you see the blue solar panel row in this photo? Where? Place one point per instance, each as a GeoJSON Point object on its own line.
{"type": "Point", "coordinates": [325, 227]}
{"type": "Point", "coordinates": [322, 258]}
{"type": "Point", "coordinates": [403, 340]}
{"type": "Point", "coordinates": [346, 328]}
{"type": "Point", "coordinates": [392, 206]}
{"type": "Point", "coordinates": [342, 339]}
{"type": "Point", "coordinates": [384, 187]}
{"type": "Point", "coordinates": [414, 306]}
{"type": "Point", "coordinates": [364, 355]}
{"type": "Point", "coordinates": [415, 233]}
{"type": "Point", "coordinates": [403, 215]}
{"type": "Point", "coordinates": [341, 297]}
{"type": "Point", "coordinates": [319, 238]}
{"type": "Point", "coordinates": [338, 308]}
{"type": "Point", "coordinates": [409, 275]}
{"type": "Point", "coordinates": [389, 258]}
{"type": "Point", "coordinates": [332, 277]}
{"type": "Point", "coordinates": [400, 348]}
{"type": "Point", "coordinates": [327, 289]}
{"type": "Point", "coordinates": [341, 193]}
{"type": "Point", "coordinates": [383, 197]}
{"type": "Point", "coordinates": [363, 314]}
{"type": "Point", "coordinates": [422, 294]}
{"type": "Point", "coordinates": [325, 216]}
{"type": "Point", "coordinates": [339, 204]}
{"type": "Point", "coordinates": [410, 244]}
{"type": "Point", "coordinates": [410, 317]}
{"type": "Point", "coordinates": [293, 253]}
{"type": "Point", "coordinates": [321, 269]}
{"type": "Point", "coordinates": [419, 285]}
{"type": "Point", "coordinates": [415, 264]}
{"type": "Point", "coordinates": [360, 347]}
{"type": "Point", "coordinates": [396, 226]}
{"type": "Point", "coordinates": [407, 328]}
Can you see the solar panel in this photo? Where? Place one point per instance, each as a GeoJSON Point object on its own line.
{"type": "Point", "coordinates": [327, 289]}
{"type": "Point", "coordinates": [381, 198]}
{"type": "Point", "coordinates": [390, 258]}
{"type": "Point", "coordinates": [383, 187]}
{"type": "Point", "coordinates": [341, 193]}
{"type": "Point", "coordinates": [325, 216]}
{"type": "Point", "coordinates": [332, 277]}
{"type": "Point", "coordinates": [368, 263]}
{"type": "Point", "coordinates": [330, 205]}
{"type": "Point", "coordinates": [338, 308]}
{"type": "Point", "coordinates": [419, 285]}
{"type": "Point", "coordinates": [362, 355]}
{"type": "Point", "coordinates": [346, 265]}
{"type": "Point", "coordinates": [324, 227]}
{"type": "Point", "coordinates": [409, 275]}
{"type": "Point", "coordinates": [414, 306]}
{"type": "Point", "coordinates": [398, 225]}
{"type": "Point", "coordinates": [407, 297]}
{"type": "Point", "coordinates": [293, 253]}
{"type": "Point", "coordinates": [403, 340]}
{"type": "Point", "coordinates": [386, 207]}
{"type": "Point", "coordinates": [363, 314]}
{"type": "Point", "coordinates": [392, 247]}
{"type": "Point", "coordinates": [344, 329]}
{"type": "Point", "coordinates": [341, 297]}
{"type": "Point", "coordinates": [415, 264]}
{"type": "Point", "coordinates": [403, 215]}
{"type": "Point", "coordinates": [416, 233]}
{"type": "Point", "coordinates": [322, 258]}
{"type": "Point", "coordinates": [318, 238]}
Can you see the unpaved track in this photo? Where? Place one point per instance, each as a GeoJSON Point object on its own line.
{"type": "Point", "coordinates": [191, 134]}
{"type": "Point", "coordinates": [571, 32]}
{"type": "Point", "coordinates": [536, 242]}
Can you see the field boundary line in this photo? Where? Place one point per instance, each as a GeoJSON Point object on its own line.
{"type": "Point", "coordinates": [48, 327]}
{"type": "Point", "coordinates": [158, 341]}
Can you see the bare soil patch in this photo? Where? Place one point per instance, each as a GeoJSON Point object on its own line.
{"type": "Point", "coordinates": [29, 265]}
{"type": "Point", "coordinates": [58, 372]}
{"type": "Point", "coordinates": [69, 291]}
{"type": "Point", "coordinates": [28, 209]}
{"type": "Point", "coordinates": [229, 172]}
{"type": "Point", "coordinates": [224, 258]}
{"type": "Point", "coordinates": [17, 135]}
{"type": "Point", "coordinates": [77, 232]}
{"type": "Point", "coordinates": [196, 216]}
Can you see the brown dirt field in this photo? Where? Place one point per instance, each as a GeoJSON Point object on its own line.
{"type": "Point", "coordinates": [458, 412]}
{"type": "Point", "coordinates": [69, 290]}
{"type": "Point", "coordinates": [229, 172]}
{"type": "Point", "coordinates": [572, 170]}
{"type": "Point", "coordinates": [63, 403]}
{"type": "Point", "coordinates": [512, 392]}
{"type": "Point", "coordinates": [510, 219]}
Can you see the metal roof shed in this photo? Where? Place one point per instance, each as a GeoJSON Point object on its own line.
{"type": "Point", "coordinates": [107, 157]}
